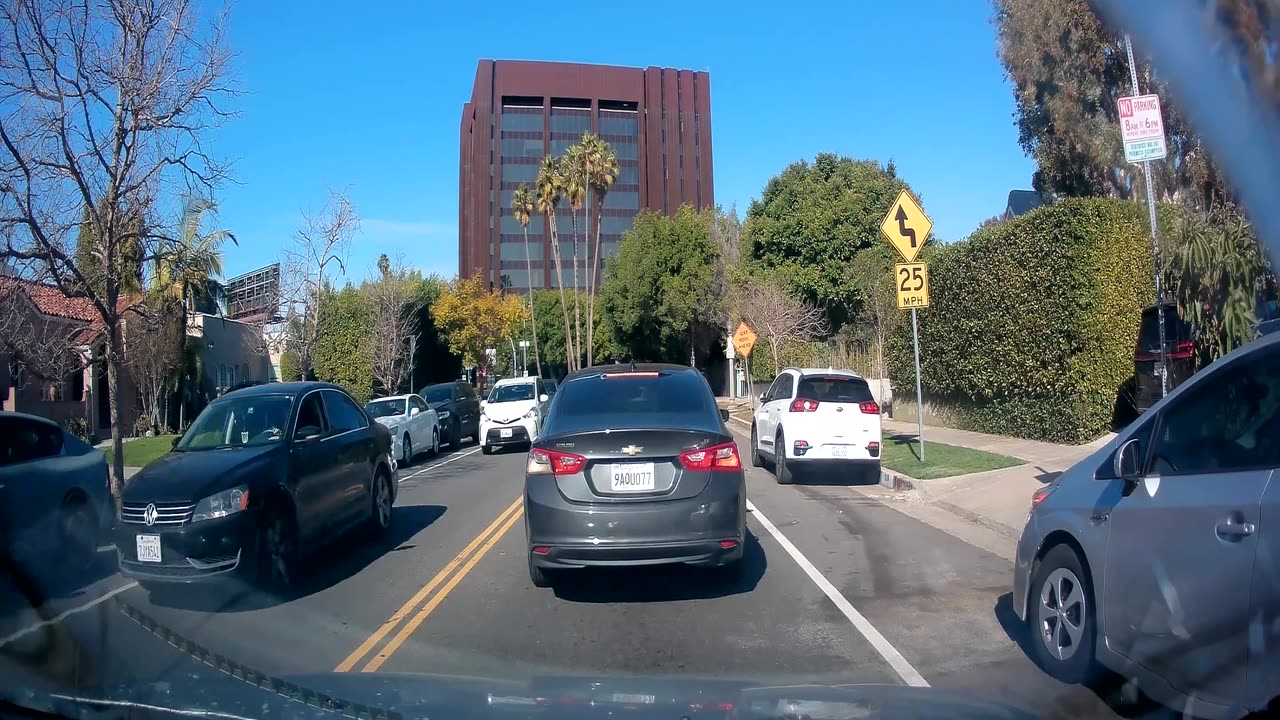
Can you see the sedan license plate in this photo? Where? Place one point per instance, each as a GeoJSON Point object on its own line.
{"type": "Point", "coordinates": [504, 432]}
{"type": "Point", "coordinates": [631, 477]}
{"type": "Point", "coordinates": [149, 548]}
{"type": "Point", "coordinates": [840, 451]}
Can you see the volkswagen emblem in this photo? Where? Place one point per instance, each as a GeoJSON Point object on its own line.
{"type": "Point", "coordinates": [632, 450]}
{"type": "Point", "coordinates": [149, 515]}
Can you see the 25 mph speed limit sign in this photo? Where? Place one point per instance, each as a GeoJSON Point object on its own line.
{"type": "Point", "coordinates": [912, 281]}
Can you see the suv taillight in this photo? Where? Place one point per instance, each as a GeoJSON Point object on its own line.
{"type": "Point", "coordinates": [718, 457]}
{"type": "Point", "coordinates": [544, 462]}
{"type": "Point", "coordinates": [870, 407]}
{"type": "Point", "coordinates": [803, 405]}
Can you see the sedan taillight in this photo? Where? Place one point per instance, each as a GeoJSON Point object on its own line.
{"type": "Point", "coordinates": [543, 462]}
{"type": "Point", "coordinates": [719, 457]}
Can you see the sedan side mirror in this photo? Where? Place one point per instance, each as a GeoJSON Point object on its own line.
{"type": "Point", "coordinates": [762, 397]}
{"type": "Point", "coordinates": [484, 403]}
{"type": "Point", "coordinates": [414, 411]}
{"type": "Point", "coordinates": [306, 432]}
{"type": "Point", "coordinates": [543, 398]}
{"type": "Point", "coordinates": [724, 415]}
{"type": "Point", "coordinates": [1127, 465]}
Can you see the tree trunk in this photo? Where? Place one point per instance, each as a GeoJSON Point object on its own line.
{"type": "Point", "coordinates": [533, 318]}
{"type": "Point", "coordinates": [593, 262]}
{"type": "Point", "coordinates": [773, 347]}
{"type": "Point", "coordinates": [564, 305]}
{"type": "Point", "coordinates": [114, 367]}
{"type": "Point", "coordinates": [577, 292]}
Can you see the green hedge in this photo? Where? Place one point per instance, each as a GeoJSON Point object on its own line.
{"type": "Point", "coordinates": [1032, 323]}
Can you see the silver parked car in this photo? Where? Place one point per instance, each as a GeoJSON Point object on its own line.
{"type": "Point", "coordinates": [1157, 556]}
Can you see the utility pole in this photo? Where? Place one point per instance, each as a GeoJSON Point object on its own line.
{"type": "Point", "coordinates": [413, 358]}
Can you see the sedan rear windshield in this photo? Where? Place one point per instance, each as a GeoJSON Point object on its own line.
{"type": "Point", "coordinates": [835, 389]}
{"type": "Point", "coordinates": [1176, 330]}
{"type": "Point", "coordinates": [639, 399]}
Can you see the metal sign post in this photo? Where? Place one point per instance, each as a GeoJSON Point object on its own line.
{"type": "Point", "coordinates": [1142, 130]}
{"type": "Point", "coordinates": [907, 227]}
{"type": "Point", "coordinates": [915, 336]}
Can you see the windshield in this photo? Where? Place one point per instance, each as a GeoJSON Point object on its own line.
{"type": "Point", "coordinates": [835, 389]}
{"type": "Point", "coordinates": [239, 421]}
{"type": "Point", "coordinates": [438, 393]}
{"type": "Point", "coordinates": [511, 393]}
{"type": "Point", "coordinates": [387, 408]}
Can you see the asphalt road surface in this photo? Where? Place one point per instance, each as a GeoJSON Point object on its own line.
{"type": "Point", "coordinates": [841, 586]}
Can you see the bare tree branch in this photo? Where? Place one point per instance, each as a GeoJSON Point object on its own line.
{"type": "Point", "coordinates": [776, 315]}
{"type": "Point", "coordinates": [104, 108]}
{"type": "Point", "coordinates": [318, 253]}
{"type": "Point", "coordinates": [394, 320]}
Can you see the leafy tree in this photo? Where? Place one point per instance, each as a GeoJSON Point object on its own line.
{"type": "Point", "coordinates": [473, 318]}
{"type": "Point", "coordinates": [659, 290]}
{"type": "Point", "coordinates": [342, 348]}
{"type": "Point", "coordinates": [1220, 273]}
{"type": "Point", "coordinates": [874, 277]}
{"type": "Point", "coordinates": [575, 191]}
{"type": "Point", "coordinates": [550, 336]}
{"type": "Point", "coordinates": [1067, 70]}
{"type": "Point", "coordinates": [811, 223]}
{"type": "Point", "coordinates": [126, 263]}
{"type": "Point", "coordinates": [290, 366]}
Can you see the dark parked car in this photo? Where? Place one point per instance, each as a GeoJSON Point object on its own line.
{"type": "Point", "coordinates": [54, 494]}
{"type": "Point", "coordinates": [634, 467]}
{"type": "Point", "coordinates": [261, 477]}
{"type": "Point", "coordinates": [1179, 349]}
{"type": "Point", "coordinates": [458, 408]}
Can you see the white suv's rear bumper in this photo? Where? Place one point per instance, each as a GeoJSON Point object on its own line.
{"type": "Point", "coordinates": [834, 452]}
{"type": "Point", "coordinates": [813, 438]}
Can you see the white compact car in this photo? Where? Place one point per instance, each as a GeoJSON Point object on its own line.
{"type": "Point", "coordinates": [814, 417]}
{"type": "Point", "coordinates": [413, 424]}
{"type": "Point", "coordinates": [512, 414]}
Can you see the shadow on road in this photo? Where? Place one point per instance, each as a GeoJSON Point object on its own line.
{"type": "Point", "coordinates": [324, 568]}
{"type": "Point", "coordinates": [32, 582]}
{"type": "Point", "coordinates": [661, 583]}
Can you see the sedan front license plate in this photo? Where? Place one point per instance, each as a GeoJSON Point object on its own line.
{"type": "Point", "coordinates": [504, 432]}
{"type": "Point", "coordinates": [840, 451]}
{"type": "Point", "coordinates": [631, 477]}
{"type": "Point", "coordinates": [149, 548]}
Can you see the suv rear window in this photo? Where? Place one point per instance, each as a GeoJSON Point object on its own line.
{"type": "Point", "coordinates": [1175, 330]}
{"type": "Point", "coordinates": [635, 400]}
{"type": "Point", "coordinates": [834, 389]}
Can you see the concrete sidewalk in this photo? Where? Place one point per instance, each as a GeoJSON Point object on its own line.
{"type": "Point", "coordinates": [997, 499]}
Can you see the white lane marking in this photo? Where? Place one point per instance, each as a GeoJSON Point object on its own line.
{"type": "Point", "coordinates": [887, 651]}
{"type": "Point", "coordinates": [473, 451]}
{"type": "Point", "coordinates": [65, 614]}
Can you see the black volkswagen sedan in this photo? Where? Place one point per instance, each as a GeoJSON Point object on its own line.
{"type": "Point", "coordinates": [263, 475]}
{"type": "Point", "coordinates": [634, 466]}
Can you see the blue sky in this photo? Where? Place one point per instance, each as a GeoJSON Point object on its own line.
{"type": "Point", "coordinates": [368, 98]}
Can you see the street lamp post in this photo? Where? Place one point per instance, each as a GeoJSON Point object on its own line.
{"type": "Point", "coordinates": [524, 354]}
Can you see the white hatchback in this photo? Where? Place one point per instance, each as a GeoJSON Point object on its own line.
{"type": "Point", "coordinates": [812, 416]}
{"type": "Point", "coordinates": [512, 414]}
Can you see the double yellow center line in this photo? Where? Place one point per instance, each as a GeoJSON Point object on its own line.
{"type": "Point", "coordinates": [427, 599]}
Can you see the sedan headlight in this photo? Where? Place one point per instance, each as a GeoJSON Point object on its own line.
{"type": "Point", "coordinates": [394, 430]}
{"type": "Point", "coordinates": [442, 414]}
{"type": "Point", "coordinates": [227, 502]}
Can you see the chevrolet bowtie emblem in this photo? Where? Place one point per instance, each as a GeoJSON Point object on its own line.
{"type": "Point", "coordinates": [632, 450]}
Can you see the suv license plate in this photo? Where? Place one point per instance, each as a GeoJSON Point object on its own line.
{"type": "Point", "coordinates": [840, 451]}
{"type": "Point", "coordinates": [149, 548]}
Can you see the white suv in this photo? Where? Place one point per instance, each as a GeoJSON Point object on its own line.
{"type": "Point", "coordinates": [512, 414]}
{"type": "Point", "coordinates": [813, 416]}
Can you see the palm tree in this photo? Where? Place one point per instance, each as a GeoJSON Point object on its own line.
{"type": "Point", "coordinates": [549, 186]}
{"type": "Point", "coordinates": [602, 171]}
{"type": "Point", "coordinates": [575, 190]}
{"type": "Point", "coordinates": [522, 208]}
{"type": "Point", "coordinates": [188, 274]}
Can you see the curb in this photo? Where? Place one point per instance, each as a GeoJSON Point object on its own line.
{"type": "Point", "coordinates": [896, 481]}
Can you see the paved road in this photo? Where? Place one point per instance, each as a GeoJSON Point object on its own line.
{"type": "Point", "coordinates": [841, 587]}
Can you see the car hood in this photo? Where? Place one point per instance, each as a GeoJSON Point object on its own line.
{"type": "Point", "coordinates": [440, 405]}
{"type": "Point", "coordinates": [508, 411]}
{"type": "Point", "coordinates": [190, 475]}
{"type": "Point", "coordinates": [390, 420]}
{"type": "Point", "coordinates": [421, 696]}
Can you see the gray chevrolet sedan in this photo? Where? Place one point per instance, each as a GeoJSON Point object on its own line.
{"type": "Point", "coordinates": [634, 467]}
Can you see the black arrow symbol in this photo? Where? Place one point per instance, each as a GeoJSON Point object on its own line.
{"type": "Point", "coordinates": [903, 230]}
